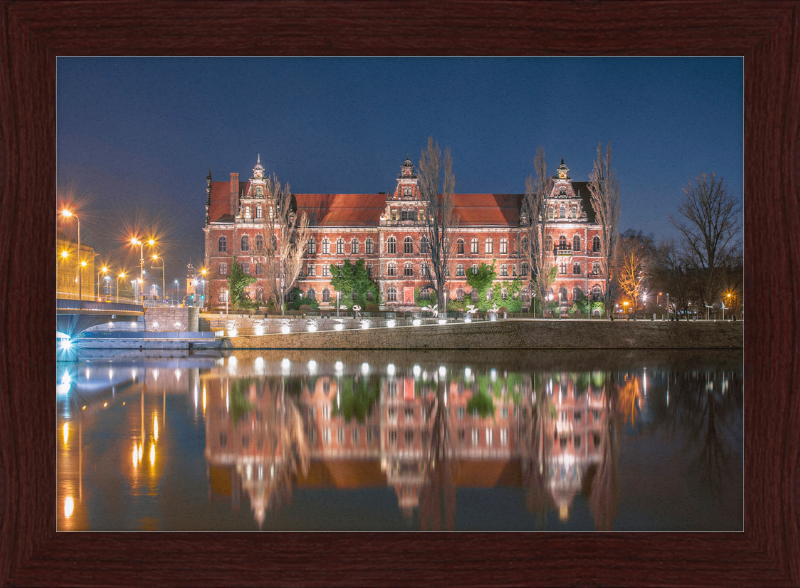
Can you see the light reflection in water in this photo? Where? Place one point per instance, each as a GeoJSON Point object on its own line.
{"type": "Point", "coordinates": [435, 429]}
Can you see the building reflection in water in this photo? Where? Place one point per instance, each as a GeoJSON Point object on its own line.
{"type": "Point", "coordinates": [423, 430]}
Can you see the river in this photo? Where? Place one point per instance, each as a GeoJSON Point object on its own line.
{"type": "Point", "coordinates": [401, 440]}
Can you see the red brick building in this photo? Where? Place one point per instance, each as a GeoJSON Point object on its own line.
{"type": "Point", "coordinates": [381, 229]}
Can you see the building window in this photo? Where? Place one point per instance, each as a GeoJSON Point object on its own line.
{"type": "Point", "coordinates": [311, 272]}
{"type": "Point", "coordinates": [223, 245]}
{"type": "Point", "coordinates": [489, 436]}
{"type": "Point", "coordinates": [562, 295]}
{"type": "Point", "coordinates": [423, 245]}
{"type": "Point", "coordinates": [326, 295]}
{"type": "Point", "coordinates": [459, 270]}
{"type": "Point", "coordinates": [597, 294]}
{"type": "Point", "coordinates": [391, 269]}
{"type": "Point", "coordinates": [246, 268]}
{"type": "Point", "coordinates": [391, 388]}
{"type": "Point", "coordinates": [259, 191]}
{"type": "Point", "coordinates": [408, 413]}
{"type": "Point", "coordinates": [259, 211]}
{"type": "Point", "coordinates": [460, 413]}
{"type": "Point", "coordinates": [576, 442]}
{"type": "Point", "coordinates": [407, 191]}
{"type": "Point", "coordinates": [489, 246]}
{"type": "Point", "coordinates": [326, 246]}
{"type": "Point", "coordinates": [577, 293]}
{"type": "Point", "coordinates": [503, 270]}
{"type": "Point", "coordinates": [460, 246]}
{"type": "Point", "coordinates": [223, 296]}
{"type": "Point", "coordinates": [223, 439]}
{"type": "Point", "coordinates": [473, 245]}
{"type": "Point", "coordinates": [325, 270]}
{"type": "Point", "coordinates": [474, 436]}
{"type": "Point", "coordinates": [391, 294]}
{"type": "Point", "coordinates": [524, 268]}
{"type": "Point", "coordinates": [474, 268]}
{"type": "Point", "coordinates": [408, 245]}
{"type": "Point", "coordinates": [312, 246]}
{"type": "Point", "coordinates": [393, 437]}
{"type": "Point", "coordinates": [426, 271]}
{"type": "Point", "coordinates": [223, 269]}
{"type": "Point", "coordinates": [326, 436]}
{"type": "Point", "coordinates": [576, 243]}
{"type": "Point", "coordinates": [474, 295]}
{"type": "Point", "coordinates": [548, 244]}
{"type": "Point", "coordinates": [526, 297]}
{"type": "Point", "coordinates": [409, 437]}
{"type": "Point", "coordinates": [408, 270]}
{"type": "Point", "coordinates": [523, 246]}
{"type": "Point", "coordinates": [576, 269]}
{"type": "Point", "coordinates": [562, 268]}
{"type": "Point", "coordinates": [550, 213]}
{"type": "Point", "coordinates": [259, 242]}
{"type": "Point", "coordinates": [489, 294]}
{"type": "Point", "coordinates": [354, 434]}
{"type": "Point", "coordinates": [562, 212]}
{"type": "Point", "coordinates": [354, 247]}
{"type": "Point", "coordinates": [340, 435]}
{"type": "Point", "coordinates": [369, 271]}
{"type": "Point", "coordinates": [340, 246]}
{"type": "Point", "coordinates": [504, 294]}
{"type": "Point", "coordinates": [247, 211]}
{"type": "Point", "coordinates": [391, 245]}
{"type": "Point", "coordinates": [311, 294]}
{"type": "Point", "coordinates": [574, 212]}
{"type": "Point", "coordinates": [562, 242]}
{"type": "Point", "coordinates": [459, 294]}
{"type": "Point", "coordinates": [596, 269]}
{"type": "Point", "coordinates": [503, 246]}
{"type": "Point", "coordinates": [504, 437]}
{"type": "Point", "coordinates": [369, 246]}
{"type": "Point", "coordinates": [596, 244]}
{"type": "Point", "coordinates": [245, 243]}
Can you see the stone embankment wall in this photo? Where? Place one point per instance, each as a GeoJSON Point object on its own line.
{"type": "Point", "coordinates": [516, 334]}
{"type": "Point", "coordinates": [160, 320]}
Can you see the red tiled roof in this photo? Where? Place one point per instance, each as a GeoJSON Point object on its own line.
{"type": "Point", "coordinates": [357, 210]}
{"type": "Point", "coordinates": [487, 209]}
{"type": "Point", "coordinates": [220, 199]}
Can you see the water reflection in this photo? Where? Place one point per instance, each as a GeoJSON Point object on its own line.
{"type": "Point", "coordinates": [277, 424]}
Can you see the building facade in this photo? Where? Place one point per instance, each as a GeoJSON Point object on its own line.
{"type": "Point", "coordinates": [382, 230]}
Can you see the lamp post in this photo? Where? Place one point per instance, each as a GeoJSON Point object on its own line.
{"type": "Point", "coordinates": [64, 255]}
{"type": "Point", "coordinates": [121, 275]}
{"type": "Point", "coordinates": [549, 299]}
{"type": "Point", "coordinates": [644, 303]}
{"type": "Point", "coordinates": [203, 281]}
{"type": "Point", "coordinates": [136, 241]}
{"type": "Point", "coordinates": [163, 289]}
{"type": "Point", "coordinates": [625, 304]}
{"type": "Point", "coordinates": [102, 271]}
{"type": "Point", "coordinates": [177, 287]}
{"type": "Point", "coordinates": [66, 213]}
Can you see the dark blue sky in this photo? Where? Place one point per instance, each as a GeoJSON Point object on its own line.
{"type": "Point", "coordinates": [136, 136]}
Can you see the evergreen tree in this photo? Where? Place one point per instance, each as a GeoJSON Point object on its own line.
{"type": "Point", "coordinates": [353, 283]}
{"type": "Point", "coordinates": [237, 282]}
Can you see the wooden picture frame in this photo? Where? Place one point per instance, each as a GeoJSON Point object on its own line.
{"type": "Point", "coordinates": [766, 34]}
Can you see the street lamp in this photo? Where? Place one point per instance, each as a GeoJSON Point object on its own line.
{"type": "Point", "coordinates": [67, 214]}
{"type": "Point", "coordinates": [121, 275]}
{"type": "Point", "coordinates": [178, 288]}
{"type": "Point", "coordinates": [644, 303]}
{"type": "Point", "coordinates": [203, 281]}
{"type": "Point", "coordinates": [625, 304]}
{"type": "Point", "coordinates": [102, 271]}
{"type": "Point", "coordinates": [163, 288]}
{"type": "Point", "coordinates": [136, 241]}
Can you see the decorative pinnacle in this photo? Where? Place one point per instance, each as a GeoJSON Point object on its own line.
{"type": "Point", "coordinates": [259, 159]}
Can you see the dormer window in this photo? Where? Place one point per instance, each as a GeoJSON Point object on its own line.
{"type": "Point", "coordinates": [259, 191]}
{"type": "Point", "coordinates": [407, 192]}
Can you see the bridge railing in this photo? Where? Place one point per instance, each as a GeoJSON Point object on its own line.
{"type": "Point", "coordinates": [91, 305]}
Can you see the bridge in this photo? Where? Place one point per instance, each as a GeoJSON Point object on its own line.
{"type": "Point", "coordinates": [74, 316]}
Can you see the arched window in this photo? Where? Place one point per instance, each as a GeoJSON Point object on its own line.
{"type": "Point", "coordinates": [562, 212]}
{"type": "Point", "coordinates": [354, 246]}
{"type": "Point", "coordinates": [312, 246]}
{"type": "Point", "coordinates": [311, 295]}
{"type": "Point", "coordinates": [247, 211]}
{"type": "Point", "coordinates": [597, 294]}
{"type": "Point", "coordinates": [562, 295]}
{"type": "Point", "coordinates": [340, 246]}
{"type": "Point", "coordinates": [408, 245]}
{"type": "Point", "coordinates": [562, 242]}
{"type": "Point", "coordinates": [474, 295]}
{"type": "Point", "coordinates": [245, 243]}
{"type": "Point", "coordinates": [326, 246]}
{"type": "Point", "coordinates": [459, 270]}
{"type": "Point", "coordinates": [391, 294]}
{"type": "Point", "coordinates": [391, 269]}
{"type": "Point", "coordinates": [391, 245]}
{"type": "Point", "coordinates": [576, 243]}
{"type": "Point", "coordinates": [459, 294]}
{"type": "Point", "coordinates": [259, 242]}
{"type": "Point", "coordinates": [596, 244]}
{"type": "Point", "coordinates": [524, 268]}
{"type": "Point", "coordinates": [326, 295]}
{"type": "Point", "coordinates": [573, 213]}
{"type": "Point", "coordinates": [259, 211]}
{"type": "Point", "coordinates": [369, 245]}
{"type": "Point", "coordinates": [503, 246]}
{"type": "Point", "coordinates": [473, 245]}
{"type": "Point", "coordinates": [489, 246]}
{"type": "Point", "coordinates": [408, 270]}
{"type": "Point", "coordinates": [223, 244]}
{"type": "Point", "coordinates": [423, 245]}
{"type": "Point", "coordinates": [460, 246]}
{"type": "Point", "coordinates": [223, 269]}
{"type": "Point", "coordinates": [577, 294]}
{"type": "Point", "coordinates": [504, 294]}
{"type": "Point", "coordinates": [548, 244]}
{"type": "Point", "coordinates": [523, 245]}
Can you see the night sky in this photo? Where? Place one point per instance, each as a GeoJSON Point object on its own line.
{"type": "Point", "coordinates": [136, 136]}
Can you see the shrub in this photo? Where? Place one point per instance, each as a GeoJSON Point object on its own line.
{"type": "Point", "coordinates": [305, 307]}
{"type": "Point", "coordinates": [502, 309]}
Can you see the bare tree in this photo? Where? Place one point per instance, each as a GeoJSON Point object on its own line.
{"type": "Point", "coordinates": [438, 221]}
{"type": "Point", "coordinates": [631, 268]}
{"type": "Point", "coordinates": [672, 274]}
{"type": "Point", "coordinates": [604, 191]}
{"type": "Point", "coordinates": [534, 208]}
{"type": "Point", "coordinates": [710, 229]}
{"type": "Point", "coordinates": [287, 237]}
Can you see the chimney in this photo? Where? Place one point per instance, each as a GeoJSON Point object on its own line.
{"type": "Point", "coordinates": [234, 195]}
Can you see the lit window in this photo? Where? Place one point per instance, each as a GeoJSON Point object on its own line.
{"type": "Point", "coordinates": [460, 246]}
{"type": "Point", "coordinates": [489, 436]}
{"type": "Point", "coordinates": [326, 247]}
{"type": "Point", "coordinates": [354, 246]}
{"type": "Point", "coordinates": [259, 211]}
{"type": "Point", "coordinates": [391, 294]}
{"type": "Point", "coordinates": [340, 246]}
{"type": "Point", "coordinates": [223, 269]}
{"type": "Point", "coordinates": [503, 246]}
{"type": "Point", "coordinates": [408, 270]}
{"type": "Point", "coordinates": [312, 246]}
{"type": "Point", "coordinates": [391, 269]}
{"type": "Point", "coordinates": [391, 245]}
{"type": "Point", "coordinates": [325, 270]}
{"type": "Point", "coordinates": [473, 245]}
{"type": "Point", "coordinates": [489, 246]}
{"type": "Point", "coordinates": [312, 270]}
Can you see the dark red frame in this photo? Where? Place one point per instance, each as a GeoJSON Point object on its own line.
{"type": "Point", "coordinates": [767, 34]}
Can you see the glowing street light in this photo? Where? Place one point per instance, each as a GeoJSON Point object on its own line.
{"type": "Point", "coordinates": [163, 289]}
{"type": "Point", "coordinates": [121, 275]}
{"type": "Point", "coordinates": [68, 214]}
{"type": "Point", "coordinates": [135, 241]}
